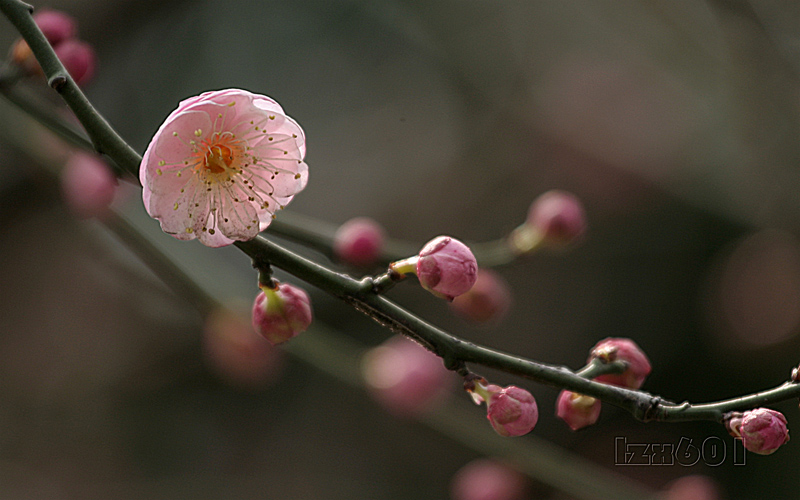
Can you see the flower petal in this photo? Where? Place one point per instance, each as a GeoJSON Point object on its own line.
{"type": "Point", "coordinates": [236, 219]}
{"type": "Point", "coordinates": [177, 141]}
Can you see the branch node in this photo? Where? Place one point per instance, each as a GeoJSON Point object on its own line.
{"type": "Point", "coordinates": [57, 82]}
{"type": "Point", "coordinates": [452, 363]}
{"type": "Point", "coordinates": [652, 410]}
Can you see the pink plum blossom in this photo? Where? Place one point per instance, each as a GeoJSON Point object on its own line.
{"type": "Point", "coordinates": [78, 58]}
{"type": "Point", "coordinates": [359, 242]}
{"type": "Point", "coordinates": [577, 410]}
{"type": "Point", "coordinates": [485, 479]}
{"type": "Point", "coordinates": [404, 377]}
{"type": "Point", "coordinates": [281, 313]}
{"type": "Point", "coordinates": [88, 185]}
{"type": "Point", "coordinates": [488, 300]}
{"type": "Point", "coordinates": [761, 430]}
{"type": "Point", "coordinates": [621, 349]}
{"type": "Point", "coordinates": [221, 165]}
{"type": "Point", "coordinates": [558, 217]}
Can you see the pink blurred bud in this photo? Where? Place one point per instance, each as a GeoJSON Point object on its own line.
{"type": "Point", "coordinates": [446, 267]}
{"type": "Point", "coordinates": [488, 300]}
{"type": "Point", "coordinates": [236, 353]}
{"type": "Point", "coordinates": [762, 430]}
{"type": "Point", "coordinates": [694, 487]}
{"type": "Point", "coordinates": [511, 411]}
{"type": "Point", "coordinates": [405, 377]}
{"type": "Point", "coordinates": [78, 58]}
{"type": "Point", "coordinates": [558, 216]}
{"type": "Point", "coordinates": [359, 242]}
{"type": "Point", "coordinates": [282, 313]}
{"type": "Point", "coordinates": [620, 349]}
{"type": "Point", "coordinates": [56, 25]}
{"type": "Point", "coordinates": [88, 185]}
{"type": "Point", "coordinates": [485, 479]}
{"type": "Point", "coordinates": [577, 410]}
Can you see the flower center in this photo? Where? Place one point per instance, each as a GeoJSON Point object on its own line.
{"type": "Point", "coordinates": [218, 158]}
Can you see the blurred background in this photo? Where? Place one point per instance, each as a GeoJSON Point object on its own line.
{"type": "Point", "coordinates": [675, 122]}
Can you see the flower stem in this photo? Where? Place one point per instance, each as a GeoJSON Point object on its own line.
{"type": "Point", "coordinates": [597, 367]}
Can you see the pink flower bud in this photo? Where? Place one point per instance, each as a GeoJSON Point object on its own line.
{"type": "Point", "coordinates": [446, 267]}
{"type": "Point", "coordinates": [694, 487]}
{"type": "Point", "coordinates": [577, 410]}
{"type": "Point", "coordinates": [511, 411]}
{"type": "Point", "coordinates": [762, 430]}
{"type": "Point", "coordinates": [78, 58]}
{"type": "Point", "coordinates": [56, 25]}
{"type": "Point", "coordinates": [359, 242]}
{"type": "Point", "coordinates": [485, 479]}
{"type": "Point", "coordinates": [236, 353]}
{"type": "Point", "coordinates": [405, 377]}
{"type": "Point", "coordinates": [88, 185]}
{"type": "Point", "coordinates": [282, 313]}
{"type": "Point", "coordinates": [558, 216]}
{"type": "Point", "coordinates": [619, 349]}
{"type": "Point", "coordinates": [487, 300]}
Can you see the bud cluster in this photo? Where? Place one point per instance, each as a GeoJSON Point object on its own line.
{"type": "Point", "coordinates": [579, 411]}
{"type": "Point", "coordinates": [60, 30]}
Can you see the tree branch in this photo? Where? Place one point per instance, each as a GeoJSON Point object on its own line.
{"type": "Point", "coordinates": [105, 139]}
{"type": "Point", "coordinates": [361, 294]}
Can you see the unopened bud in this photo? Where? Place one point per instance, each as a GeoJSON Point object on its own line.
{"type": "Point", "coordinates": [558, 217]}
{"type": "Point", "coordinates": [359, 242]}
{"type": "Point", "coordinates": [88, 185]}
{"type": "Point", "coordinates": [445, 267]}
{"type": "Point", "coordinates": [57, 28]}
{"type": "Point", "coordinates": [511, 411]}
{"type": "Point", "coordinates": [281, 313]}
{"type": "Point", "coordinates": [78, 58]}
{"type": "Point", "coordinates": [577, 410]}
{"type": "Point", "coordinates": [761, 430]}
{"type": "Point", "coordinates": [485, 479]}
{"type": "Point", "coordinates": [404, 377]}
{"type": "Point", "coordinates": [55, 25]}
{"type": "Point", "coordinates": [694, 487]}
{"type": "Point", "coordinates": [488, 300]}
{"type": "Point", "coordinates": [236, 353]}
{"type": "Point", "coordinates": [621, 349]}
